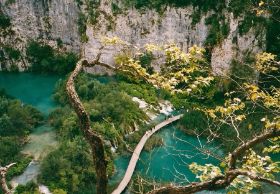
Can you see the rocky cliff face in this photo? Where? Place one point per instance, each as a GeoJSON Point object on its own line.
{"type": "Point", "coordinates": [47, 20]}
{"type": "Point", "coordinates": [52, 20]}
{"type": "Point", "coordinates": [173, 26]}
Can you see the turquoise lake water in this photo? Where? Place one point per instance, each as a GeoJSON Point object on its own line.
{"type": "Point", "coordinates": [34, 89]}
{"type": "Point", "coordinates": [168, 163]}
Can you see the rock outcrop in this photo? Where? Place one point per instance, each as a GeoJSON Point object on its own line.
{"type": "Point", "coordinates": [173, 26]}
{"type": "Point", "coordinates": [46, 20]}
{"type": "Point", "coordinates": [53, 20]}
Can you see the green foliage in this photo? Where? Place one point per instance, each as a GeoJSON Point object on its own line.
{"type": "Point", "coordinates": [237, 7]}
{"type": "Point", "coordinates": [9, 2]}
{"type": "Point", "coordinates": [14, 68]}
{"type": "Point", "coordinates": [16, 122]}
{"type": "Point", "coordinates": [92, 11]}
{"type": "Point", "coordinates": [88, 88]}
{"type": "Point", "coordinates": [249, 22]}
{"type": "Point", "coordinates": [59, 42]}
{"type": "Point", "coordinates": [12, 53]}
{"type": "Point", "coordinates": [273, 29]}
{"type": "Point", "coordinates": [79, 2]}
{"type": "Point", "coordinates": [44, 59]}
{"type": "Point", "coordinates": [100, 100]}
{"type": "Point", "coordinates": [59, 191]}
{"type": "Point", "coordinates": [194, 120]}
{"type": "Point", "coordinates": [159, 4]}
{"type": "Point", "coordinates": [196, 16]}
{"type": "Point", "coordinates": [241, 72]}
{"type": "Point", "coordinates": [153, 142]}
{"type": "Point", "coordinates": [21, 165]}
{"type": "Point", "coordinates": [113, 114]}
{"type": "Point", "coordinates": [273, 37]}
{"type": "Point", "coordinates": [82, 27]}
{"type": "Point", "coordinates": [146, 62]}
{"type": "Point", "coordinates": [5, 21]}
{"type": "Point", "coordinates": [29, 188]}
{"type": "Point", "coordinates": [246, 9]}
{"type": "Point", "coordinates": [69, 167]}
{"type": "Point", "coordinates": [115, 8]}
{"type": "Point", "coordinates": [219, 30]}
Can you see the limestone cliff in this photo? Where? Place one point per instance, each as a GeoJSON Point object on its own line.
{"type": "Point", "coordinates": [173, 26]}
{"type": "Point", "coordinates": [47, 20]}
{"type": "Point", "coordinates": [52, 20]}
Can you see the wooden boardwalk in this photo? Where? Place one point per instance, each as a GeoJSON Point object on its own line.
{"type": "Point", "coordinates": [135, 156]}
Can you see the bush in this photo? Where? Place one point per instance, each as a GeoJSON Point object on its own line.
{"type": "Point", "coordinates": [146, 62]}
{"type": "Point", "coordinates": [219, 30]}
{"type": "Point", "coordinates": [69, 167]}
{"type": "Point", "coordinates": [194, 120]}
{"type": "Point", "coordinates": [29, 188]}
{"type": "Point", "coordinates": [16, 122]}
{"type": "Point", "coordinates": [5, 21]}
{"type": "Point", "coordinates": [273, 37]}
{"type": "Point", "coordinates": [44, 59]}
{"type": "Point", "coordinates": [12, 53]}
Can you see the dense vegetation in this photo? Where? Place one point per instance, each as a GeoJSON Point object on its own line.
{"type": "Point", "coordinates": [45, 59]}
{"type": "Point", "coordinates": [16, 121]}
{"type": "Point", "coordinates": [158, 4]}
{"type": "Point", "coordinates": [212, 110]}
{"type": "Point", "coordinates": [113, 115]}
{"type": "Point", "coordinates": [5, 21]}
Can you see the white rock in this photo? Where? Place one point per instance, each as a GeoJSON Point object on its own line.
{"type": "Point", "coordinates": [44, 189]}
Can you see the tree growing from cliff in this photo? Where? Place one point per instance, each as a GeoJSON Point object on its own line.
{"type": "Point", "coordinates": [182, 71]}
{"type": "Point", "coordinates": [190, 74]}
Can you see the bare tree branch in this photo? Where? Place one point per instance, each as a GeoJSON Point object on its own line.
{"type": "Point", "coordinates": [220, 182]}
{"type": "Point", "coordinates": [255, 177]}
{"type": "Point", "coordinates": [3, 172]}
{"type": "Point", "coordinates": [239, 151]}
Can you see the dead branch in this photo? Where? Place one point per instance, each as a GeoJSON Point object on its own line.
{"type": "Point", "coordinates": [3, 173]}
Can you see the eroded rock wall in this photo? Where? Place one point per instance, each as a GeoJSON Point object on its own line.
{"type": "Point", "coordinates": [51, 20]}
{"type": "Point", "coordinates": [48, 20]}
{"type": "Point", "coordinates": [172, 26]}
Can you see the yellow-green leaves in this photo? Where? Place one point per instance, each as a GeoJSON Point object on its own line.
{"type": "Point", "coordinates": [174, 54]}
{"type": "Point", "coordinates": [205, 173]}
{"type": "Point", "coordinates": [112, 41]}
{"type": "Point", "coordinates": [152, 47]}
{"type": "Point", "coordinates": [266, 63]}
{"type": "Point", "coordinates": [274, 148]}
{"type": "Point", "coordinates": [229, 110]}
{"type": "Point", "coordinates": [180, 72]}
{"type": "Point", "coordinates": [270, 100]}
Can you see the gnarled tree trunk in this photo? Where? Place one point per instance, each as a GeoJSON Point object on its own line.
{"type": "Point", "coordinates": [95, 141]}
